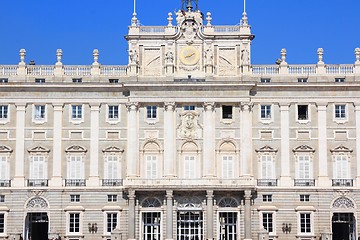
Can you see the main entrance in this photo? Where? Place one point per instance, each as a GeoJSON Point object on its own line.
{"type": "Point", "coordinates": [343, 226]}
{"type": "Point", "coordinates": [36, 226]}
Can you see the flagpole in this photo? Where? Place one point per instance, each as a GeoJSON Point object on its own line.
{"type": "Point", "coordinates": [244, 6]}
{"type": "Point", "coordinates": [134, 6]}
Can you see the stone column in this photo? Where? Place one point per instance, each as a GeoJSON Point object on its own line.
{"type": "Point", "coordinates": [247, 212]}
{"type": "Point", "coordinates": [323, 178]}
{"type": "Point", "coordinates": [209, 140]}
{"type": "Point", "coordinates": [169, 214]}
{"type": "Point", "coordinates": [246, 139]}
{"type": "Point", "coordinates": [357, 114]}
{"type": "Point", "coordinates": [169, 139]}
{"type": "Point", "coordinates": [210, 214]}
{"type": "Point", "coordinates": [131, 215]}
{"type": "Point", "coordinates": [94, 145]}
{"type": "Point", "coordinates": [132, 157]}
{"type": "Point", "coordinates": [19, 177]}
{"type": "Point", "coordinates": [56, 179]}
{"type": "Point", "coordinates": [285, 178]}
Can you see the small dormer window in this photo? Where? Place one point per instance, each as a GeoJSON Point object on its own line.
{"type": "Point", "coordinates": [77, 80]}
{"type": "Point", "coordinates": [39, 80]}
{"type": "Point", "coordinates": [339, 80]}
{"type": "Point", "coordinates": [302, 80]}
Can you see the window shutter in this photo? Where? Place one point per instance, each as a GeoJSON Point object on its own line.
{"type": "Point", "coordinates": [151, 166]}
{"type": "Point", "coordinates": [304, 167]}
{"type": "Point", "coordinates": [267, 167]}
{"type": "Point", "coordinates": [341, 167]}
{"type": "Point", "coordinates": [3, 168]}
{"type": "Point", "coordinates": [227, 167]}
{"type": "Point", "coordinates": [189, 167]}
{"type": "Point", "coordinates": [111, 167]}
{"type": "Point", "coordinates": [76, 167]}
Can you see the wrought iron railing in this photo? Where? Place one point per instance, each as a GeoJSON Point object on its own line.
{"type": "Point", "coordinates": [112, 182]}
{"type": "Point", "coordinates": [342, 182]}
{"type": "Point", "coordinates": [75, 182]}
{"type": "Point", "coordinates": [304, 182]}
{"type": "Point", "coordinates": [37, 183]}
{"type": "Point", "coordinates": [267, 182]}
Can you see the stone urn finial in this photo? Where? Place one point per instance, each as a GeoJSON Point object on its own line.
{"type": "Point", "coordinates": [96, 56]}
{"type": "Point", "coordinates": [320, 53]}
{"type": "Point", "coordinates": [58, 56]}
{"type": "Point", "coordinates": [22, 56]}
{"type": "Point", "coordinates": [357, 54]}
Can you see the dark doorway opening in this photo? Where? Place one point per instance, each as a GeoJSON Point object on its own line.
{"type": "Point", "coordinates": [343, 226]}
{"type": "Point", "coordinates": [37, 226]}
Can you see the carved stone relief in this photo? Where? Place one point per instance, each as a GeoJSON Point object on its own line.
{"type": "Point", "coordinates": [189, 127]}
{"type": "Point", "coordinates": [343, 202]}
{"type": "Point", "coordinates": [227, 62]}
{"type": "Point", "coordinates": [37, 202]}
{"type": "Point", "coordinates": [152, 62]}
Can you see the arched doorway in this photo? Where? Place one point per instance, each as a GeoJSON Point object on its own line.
{"type": "Point", "coordinates": [343, 219]}
{"type": "Point", "coordinates": [36, 225]}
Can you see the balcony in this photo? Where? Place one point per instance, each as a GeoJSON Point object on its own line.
{"type": "Point", "coordinates": [304, 182]}
{"type": "Point", "coordinates": [37, 183]}
{"type": "Point", "coordinates": [342, 182]}
{"type": "Point", "coordinates": [112, 182]}
{"type": "Point", "coordinates": [267, 182]}
{"type": "Point", "coordinates": [75, 182]}
{"type": "Point", "coordinates": [5, 183]}
{"type": "Point", "coordinates": [190, 183]}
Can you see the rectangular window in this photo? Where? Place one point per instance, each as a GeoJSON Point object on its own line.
{"type": "Point", "coordinates": [190, 225]}
{"type": "Point", "coordinates": [227, 167]}
{"type": "Point", "coordinates": [112, 198]}
{"type": "Point", "coordinates": [266, 167]}
{"type": "Point", "coordinates": [38, 168]}
{"type": "Point", "coordinates": [189, 167]}
{"type": "Point", "coordinates": [228, 225]}
{"type": "Point", "coordinates": [227, 112]}
{"type": "Point", "coordinates": [75, 170]}
{"type": "Point", "coordinates": [339, 80]}
{"type": "Point", "coordinates": [74, 198]}
{"type": "Point", "coordinates": [267, 198]}
{"type": "Point", "coordinates": [305, 222]}
{"type": "Point", "coordinates": [4, 80]}
{"type": "Point", "coordinates": [39, 112]}
{"type": "Point", "coordinates": [302, 80]}
{"type": "Point", "coordinates": [3, 111]}
{"type": "Point", "coordinates": [111, 222]}
{"type": "Point", "coordinates": [341, 168]}
{"type": "Point", "coordinates": [113, 112]}
{"type": "Point", "coordinates": [76, 112]}
{"type": "Point", "coordinates": [189, 108]}
{"type": "Point", "coordinates": [39, 80]}
{"type": "Point", "coordinates": [74, 223]}
{"type": "Point", "coordinates": [77, 80]}
{"type": "Point", "coordinates": [151, 112]}
{"type": "Point", "coordinates": [267, 223]}
{"type": "Point", "coordinates": [340, 111]}
{"type": "Point", "coordinates": [2, 198]}
{"type": "Point", "coordinates": [113, 80]}
{"type": "Point", "coordinates": [151, 223]}
{"type": "Point", "coordinates": [304, 198]}
{"type": "Point", "coordinates": [2, 223]}
{"type": "Point", "coordinates": [304, 167]}
{"type": "Point", "coordinates": [302, 113]}
{"type": "Point", "coordinates": [265, 111]}
{"type": "Point", "coordinates": [151, 166]}
{"type": "Point", "coordinates": [265, 80]}
{"type": "Point", "coordinates": [111, 167]}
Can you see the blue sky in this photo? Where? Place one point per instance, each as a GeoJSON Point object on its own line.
{"type": "Point", "coordinates": [79, 26]}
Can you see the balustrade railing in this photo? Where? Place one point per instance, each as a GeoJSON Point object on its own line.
{"type": "Point", "coordinates": [152, 29]}
{"type": "Point", "coordinates": [265, 69]}
{"type": "Point", "coordinates": [342, 182]}
{"type": "Point", "coordinates": [5, 183]}
{"type": "Point", "coordinates": [339, 69]}
{"type": "Point", "coordinates": [40, 70]}
{"type": "Point", "coordinates": [113, 70]}
{"type": "Point", "coordinates": [304, 182]}
{"type": "Point", "coordinates": [77, 70]}
{"type": "Point", "coordinates": [8, 70]}
{"type": "Point", "coordinates": [112, 182]}
{"type": "Point", "coordinates": [302, 69]}
{"type": "Point", "coordinates": [75, 182]}
{"type": "Point", "coordinates": [267, 182]}
{"type": "Point", "coordinates": [37, 182]}
{"type": "Point", "coordinates": [182, 182]}
{"type": "Point", "coordinates": [226, 29]}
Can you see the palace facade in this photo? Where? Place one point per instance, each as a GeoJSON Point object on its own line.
{"type": "Point", "coordinates": [189, 141]}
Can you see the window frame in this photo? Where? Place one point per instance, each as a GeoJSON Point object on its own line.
{"type": "Point", "coordinates": [112, 197]}
{"type": "Point", "coordinates": [5, 160]}
{"type": "Point", "coordinates": [227, 119]}
{"type": "Point", "coordinates": [74, 117]}
{"type": "Point", "coordinates": [229, 172]}
{"type": "Point", "coordinates": [308, 115]}
{"type": "Point", "coordinates": [114, 159]}
{"type": "Point", "coordinates": [309, 222]}
{"type": "Point", "coordinates": [151, 166]}
{"type": "Point", "coordinates": [106, 222]}
{"type": "Point", "coordinates": [189, 107]}
{"type": "Point", "coordinates": [268, 110]}
{"type": "Point", "coordinates": [340, 118]}
{"type": "Point", "coordinates": [69, 223]}
{"type": "Point", "coordinates": [42, 118]}
{"type": "Point", "coordinates": [75, 198]}
{"type": "Point", "coordinates": [141, 222]}
{"type": "Point", "coordinates": [3, 229]}
{"type": "Point", "coordinates": [228, 210]}
{"type": "Point", "coordinates": [267, 197]}
{"type": "Point", "coordinates": [273, 221]}
{"type": "Point", "coordinates": [109, 111]}
{"type": "Point", "coordinates": [154, 114]}
{"type": "Point", "coordinates": [81, 165]}
{"type": "Point", "coordinates": [192, 174]}
{"type": "Point", "coordinates": [2, 198]}
{"type": "Point", "coordinates": [300, 168]}
{"type": "Point", "coordinates": [304, 197]}
{"type": "Point", "coordinates": [6, 119]}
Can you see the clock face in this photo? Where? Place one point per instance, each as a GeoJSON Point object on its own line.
{"type": "Point", "coordinates": [189, 55]}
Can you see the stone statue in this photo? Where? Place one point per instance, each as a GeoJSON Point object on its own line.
{"type": "Point", "coordinates": [209, 56]}
{"type": "Point", "coordinates": [169, 57]}
{"type": "Point", "coordinates": [245, 57]}
{"type": "Point", "coordinates": [133, 56]}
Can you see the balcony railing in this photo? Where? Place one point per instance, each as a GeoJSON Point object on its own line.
{"type": "Point", "coordinates": [5, 183]}
{"type": "Point", "coordinates": [304, 182]}
{"type": "Point", "coordinates": [37, 183]}
{"type": "Point", "coordinates": [267, 182]}
{"type": "Point", "coordinates": [75, 182]}
{"type": "Point", "coordinates": [112, 182]}
{"type": "Point", "coordinates": [342, 182]}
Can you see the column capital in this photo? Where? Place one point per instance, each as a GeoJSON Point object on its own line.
{"type": "Point", "coordinates": [131, 194]}
{"type": "Point", "coordinates": [94, 106]}
{"type": "Point", "coordinates": [246, 106]}
{"type": "Point", "coordinates": [209, 194]}
{"type": "Point", "coordinates": [357, 106]}
{"type": "Point", "coordinates": [20, 106]}
{"type": "Point", "coordinates": [169, 194]}
{"type": "Point", "coordinates": [247, 194]}
{"type": "Point", "coordinates": [132, 106]}
{"type": "Point", "coordinates": [58, 106]}
{"type": "Point", "coordinates": [169, 106]}
{"type": "Point", "coordinates": [284, 106]}
{"type": "Point", "coordinates": [321, 106]}
{"type": "Point", "coordinates": [209, 106]}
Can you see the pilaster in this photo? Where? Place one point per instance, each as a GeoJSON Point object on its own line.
{"type": "Point", "coordinates": [19, 178]}
{"type": "Point", "coordinates": [131, 215]}
{"type": "Point", "coordinates": [357, 132]}
{"type": "Point", "coordinates": [245, 139]}
{"type": "Point", "coordinates": [209, 140]}
{"type": "Point", "coordinates": [323, 178]}
{"type": "Point", "coordinates": [132, 140]}
{"type": "Point", "coordinates": [94, 179]}
{"type": "Point", "coordinates": [247, 212]}
{"type": "Point", "coordinates": [169, 139]}
{"type": "Point", "coordinates": [210, 214]}
{"type": "Point", "coordinates": [285, 178]}
{"type": "Point", "coordinates": [169, 215]}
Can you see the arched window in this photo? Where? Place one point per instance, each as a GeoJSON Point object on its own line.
{"type": "Point", "coordinates": [227, 156]}
{"type": "Point", "coordinates": [191, 165]}
{"type": "Point", "coordinates": [151, 159]}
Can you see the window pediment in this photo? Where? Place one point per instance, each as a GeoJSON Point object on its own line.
{"type": "Point", "coordinates": [5, 149]}
{"type": "Point", "coordinates": [113, 149]}
{"type": "Point", "coordinates": [341, 149]}
{"type": "Point", "coordinates": [266, 149]}
{"type": "Point", "coordinates": [75, 149]}
{"type": "Point", "coordinates": [303, 148]}
{"type": "Point", "coordinates": [39, 149]}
